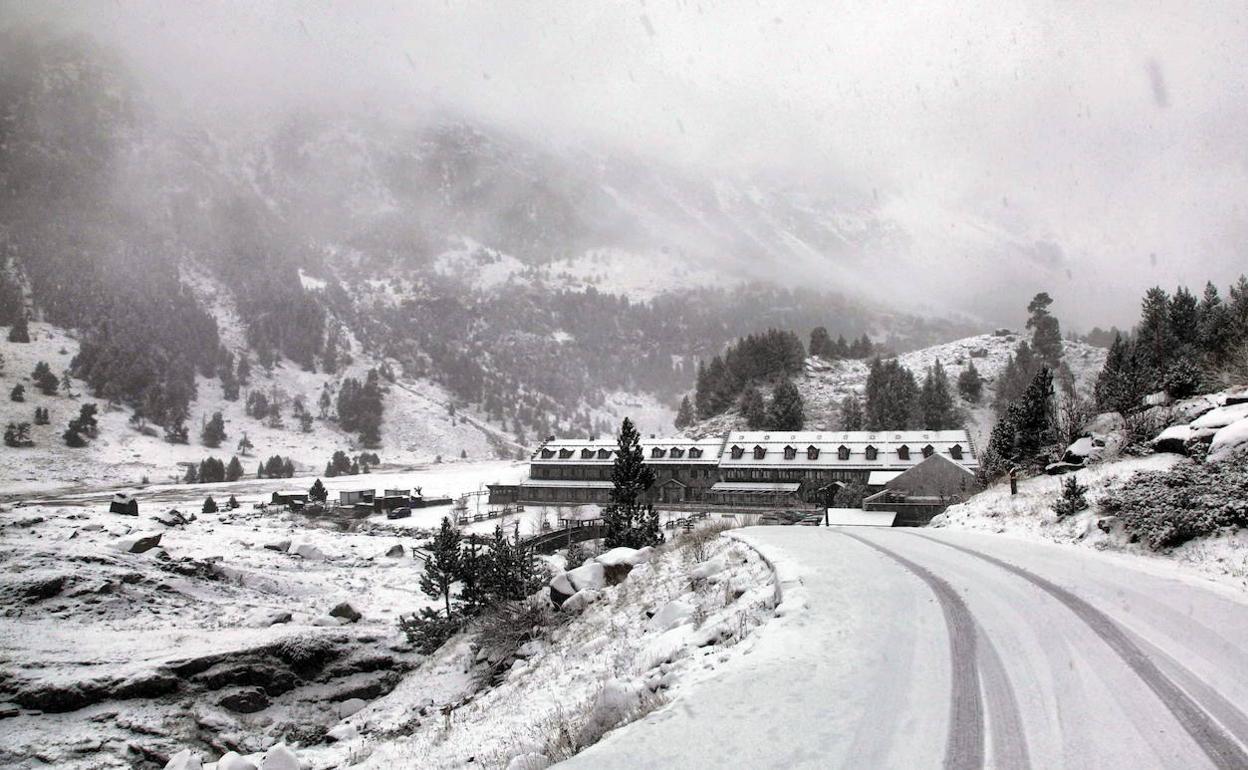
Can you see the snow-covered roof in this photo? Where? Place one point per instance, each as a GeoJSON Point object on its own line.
{"type": "Point", "coordinates": [880, 478]}
{"type": "Point", "coordinates": [573, 483]}
{"type": "Point", "coordinates": [856, 517]}
{"type": "Point", "coordinates": [755, 486]}
{"type": "Point", "coordinates": [849, 450]}
{"type": "Point", "coordinates": [674, 451]}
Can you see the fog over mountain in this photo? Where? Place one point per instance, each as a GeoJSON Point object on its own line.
{"type": "Point", "coordinates": [953, 158]}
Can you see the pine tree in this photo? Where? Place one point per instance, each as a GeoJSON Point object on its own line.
{"type": "Point", "coordinates": [318, 492]}
{"type": "Point", "coordinates": [1184, 318]}
{"type": "Point", "coordinates": [213, 432]}
{"type": "Point", "coordinates": [18, 393]}
{"type": "Point", "coordinates": [1154, 339]}
{"type": "Point", "coordinates": [936, 402]}
{"type": "Point", "coordinates": [970, 383]}
{"type": "Point", "coordinates": [630, 521]}
{"type": "Point", "coordinates": [892, 397]}
{"type": "Point", "coordinates": [753, 408]}
{"type": "Point", "coordinates": [852, 417]}
{"type": "Point", "coordinates": [210, 505]}
{"type": "Point", "coordinates": [473, 589]}
{"type": "Point", "coordinates": [1046, 336]}
{"type": "Point", "coordinates": [41, 416]}
{"type": "Point", "coordinates": [1073, 498]}
{"type": "Point", "coordinates": [245, 445]}
{"type": "Point", "coordinates": [821, 343]}
{"type": "Point", "coordinates": [685, 416]}
{"type": "Point", "coordinates": [785, 412]}
{"type": "Point", "coordinates": [20, 331]}
{"type": "Point", "coordinates": [1119, 386]}
{"type": "Point", "coordinates": [442, 568]}
{"type": "Point", "coordinates": [1028, 430]}
{"type": "Point", "coordinates": [44, 379]}
{"type": "Point", "coordinates": [232, 503]}
{"type": "Point", "coordinates": [234, 471]}
{"type": "Point", "coordinates": [1216, 327]}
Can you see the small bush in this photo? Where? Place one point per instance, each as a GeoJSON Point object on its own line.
{"type": "Point", "coordinates": [1073, 498]}
{"type": "Point", "coordinates": [1169, 508]}
{"type": "Point", "coordinates": [430, 629]}
{"type": "Point", "coordinates": [505, 627]}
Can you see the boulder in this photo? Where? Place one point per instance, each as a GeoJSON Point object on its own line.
{"type": "Point", "coordinates": [266, 618]}
{"type": "Point", "coordinates": [1160, 398]}
{"type": "Point", "coordinates": [529, 761]}
{"type": "Point", "coordinates": [172, 518]}
{"type": "Point", "coordinates": [670, 615]}
{"type": "Point", "coordinates": [708, 568]}
{"type": "Point", "coordinates": [232, 760]}
{"type": "Point", "coordinates": [345, 611]}
{"type": "Point", "coordinates": [342, 732]}
{"type": "Point", "coordinates": [396, 551]}
{"type": "Point", "coordinates": [281, 546]}
{"type": "Point", "coordinates": [1173, 439]}
{"type": "Point", "coordinates": [349, 706]}
{"type": "Point", "coordinates": [578, 601]}
{"type": "Point", "coordinates": [327, 620]}
{"type": "Point", "coordinates": [245, 700]}
{"type": "Point", "coordinates": [309, 552]}
{"type": "Point", "coordinates": [138, 543]}
{"type": "Point", "coordinates": [1079, 451]}
{"type": "Point", "coordinates": [1220, 417]}
{"type": "Point", "coordinates": [1228, 440]}
{"type": "Point", "coordinates": [590, 575]}
{"type": "Point", "coordinates": [184, 760]}
{"type": "Point", "coordinates": [279, 757]}
{"type": "Point", "coordinates": [1057, 469]}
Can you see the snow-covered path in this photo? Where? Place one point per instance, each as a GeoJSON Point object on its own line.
{"type": "Point", "coordinates": [943, 649]}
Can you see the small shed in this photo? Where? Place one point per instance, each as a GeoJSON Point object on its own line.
{"type": "Point", "coordinates": [351, 497]}
{"type": "Point", "coordinates": [393, 498]}
{"type": "Point", "coordinates": [290, 499]}
{"type": "Point", "coordinates": [124, 504]}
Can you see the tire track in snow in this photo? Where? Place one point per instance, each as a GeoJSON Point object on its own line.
{"type": "Point", "coordinates": [1221, 748]}
{"type": "Point", "coordinates": [964, 747]}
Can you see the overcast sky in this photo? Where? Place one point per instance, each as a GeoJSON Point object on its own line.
{"type": "Point", "coordinates": [1113, 130]}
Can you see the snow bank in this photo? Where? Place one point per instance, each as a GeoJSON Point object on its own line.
{"type": "Point", "coordinates": [1229, 439]}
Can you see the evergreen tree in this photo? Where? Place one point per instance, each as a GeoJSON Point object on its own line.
{"type": "Point", "coordinates": [1184, 318]}
{"type": "Point", "coordinates": [936, 402]}
{"type": "Point", "coordinates": [1154, 338]}
{"type": "Point", "coordinates": [20, 331]}
{"type": "Point", "coordinates": [44, 379]}
{"type": "Point", "coordinates": [1046, 335]}
{"type": "Point", "coordinates": [1028, 431]}
{"type": "Point", "coordinates": [232, 503]}
{"type": "Point", "coordinates": [821, 343]}
{"type": "Point", "coordinates": [970, 383]}
{"type": "Point", "coordinates": [234, 471]}
{"type": "Point", "coordinates": [67, 384]}
{"type": "Point", "coordinates": [18, 435]}
{"type": "Point", "coordinates": [1216, 327]}
{"type": "Point", "coordinates": [852, 417]}
{"type": "Point", "coordinates": [753, 408]}
{"type": "Point", "coordinates": [176, 431]}
{"type": "Point", "coordinates": [892, 397]}
{"type": "Point", "coordinates": [41, 416]}
{"type": "Point", "coordinates": [785, 412]}
{"type": "Point", "coordinates": [213, 432]}
{"type": "Point", "coordinates": [318, 492]}
{"type": "Point", "coordinates": [1119, 386]}
{"type": "Point", "coordinates": [18, 393]}
{"type": "Point", "coordinates": [73, 438]}
{"type": "Point", "coordinates": [473, 589]}
{"type": "Point", "coordinates": [685, 416]}
{"type": "Point", "coordinates": [288, 468]}
{"type": "Point", "coordinates": [210, 505]}
{"type": "Point", "coordinates": [443, 565]}
{"type": "Point", "coordinates": [244, 370]}
{"type": "Point", "coordinates": [1073, 498]}
{"type": "Point", "coordinates": [630, 520]}
{"type": "Point", "coordinates": [245, 445]}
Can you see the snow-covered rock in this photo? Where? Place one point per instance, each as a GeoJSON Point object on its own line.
{"type": "Point", "coordinates": [184, 760]}
{"type": "Point", "coordinates": [578, 601]}
{"type": "Point", "coordinates": [329, 620]}
{"type": "Point", "coordinates": [396, 551]}
{"type": "Point", "coordinates": [590, 575]}
{"type": "Point", "coordinates": [279, 757]}
{"type": "Point", "coordinates": [530, 761]}
{"type": "Point", "coordinates": [707, 568]}
{"type": "Point", "coordinates": [348, 707]}
{"type": "Point", "coordinates": [671, 614]}
{"type": "Point", "coordinates": [308, 551]}
{"type": "Point", "coordinates": [343, 732]}
{"type": "Point", "coordinates": [1173, 439]}
{"type": "Point", "coordinates": [618, 556]}
{"type": "Point", "coordinates": [281, 546]}
{"type": "Point", "coordinates": [616, 701]}
{"type": "Point", "coordinates": [141, 543]}
{"type": "Point", "coordinates": [1220, 417]}
{"type": "Point", "coordinates": [345, 611]}
{"type": "Point", "coordinates": [1228, 439]}
{"type": "Point", "coordinates": [234, 761]}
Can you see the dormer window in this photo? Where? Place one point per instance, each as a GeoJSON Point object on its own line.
{"type": "Point", "coordinates": [872, 453]}
{"type": "Point", "coordinates": [565, 454]}
{"type": "Point", "coordinates": [656, 452]}
{"type": "Point", "coordinates": [587, 454]}
{"type": "Point", "coordinates": [695, 453]}
{"type": "Point", "coordinates": [547, 454]}
{"type": "Point", "coordinates": [955, 451]}
{"type": "Point", "coordinates": [677, 452]}
{"type": "Point", "coordinates": [737, 453]}
{"type": "Point", "coordinates": [759, 453]}
{"type": "Point", "coordinates": [604, 454]}
{"type": "Point", "coordinates": [812, 452]}
{"type": "Point", "coordinates": [903, 452]}
{"type": "Point", "coordinates": [842, 453]}
{"type": "Point", "coordinates": [929, 450]}
{"type": "Point", "coordinates": [790, 453]}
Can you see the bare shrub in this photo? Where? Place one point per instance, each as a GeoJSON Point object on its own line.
{"type": "Point", "coordinates": [695, 544]}
{"type": "Point", "coordinates": [505, 627]}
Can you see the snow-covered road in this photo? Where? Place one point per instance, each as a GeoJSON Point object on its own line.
{"type": "Point", "coordinates": [942, 649]}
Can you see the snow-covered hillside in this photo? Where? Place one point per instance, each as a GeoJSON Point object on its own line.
{"type": "Point", "coordinates": [825, 384]}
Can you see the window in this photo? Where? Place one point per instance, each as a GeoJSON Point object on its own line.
{"type": "Point", "coordinates": [790, 453]}
{"type": "Point", "coordinates": [694, 453]}
{"type": "Point", "coordinates": [565, 454]}
{"type": "Point", "coordinates": [903, 452]}
{"type": "Point", "coordinates": [872, 453]}
{"type": "Point", "coordinates": [587, 454]}
{"type": "Point", "coordinates": [677, 452]}
{"type": "Point", "coordinates": [759, 453]}
{"type": "Point", "coordinates": [656, 452]}
{"type": "Point", "coordinates": [604, 454]}
{"type": "Point", "coordinates": [812, 452]}
{"type": "Point", "coordinates": [955, 451]}
{"type": "Point", "coordinates": [737, 452]}
{"type": "Point", "coordinates": [547, 454]}
{"type": "Point", "coordinates": [928, 450]}
{"type": "Point", "coordinates": [842, 453]}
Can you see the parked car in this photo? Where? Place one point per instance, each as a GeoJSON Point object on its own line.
{"type": "Point", "coordinates": [398, 513]}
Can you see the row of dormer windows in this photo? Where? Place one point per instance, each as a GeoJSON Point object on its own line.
{"type": "Point", "coordinates": [843, 452]}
